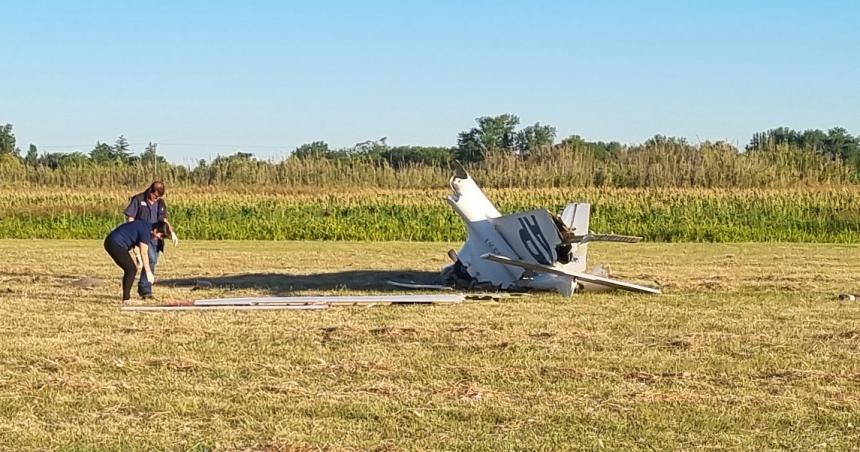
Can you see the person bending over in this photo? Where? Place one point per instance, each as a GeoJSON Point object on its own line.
{"type": "Point", "coordinates": [121, 243]}
{"type": "Point", "coordinates": [150, 206]}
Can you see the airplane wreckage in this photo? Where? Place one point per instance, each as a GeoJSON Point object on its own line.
{"type": "Point", "coordinates": [534, 250]}
{"type": "Point", "coordinates": [527, 250]}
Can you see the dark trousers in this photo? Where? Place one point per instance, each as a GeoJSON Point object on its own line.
{"type": "Point", "coordinates": [120, 255]}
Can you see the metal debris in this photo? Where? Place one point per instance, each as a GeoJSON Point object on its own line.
{"type": "Point", "coordinates": [410, 285]}
{"type": "Point", "coordinates": [315, 302]}
{"type": "Point", "coordinates": [334, 299]}
{"type": "Point", "coordinates": [313, 307]}
{"type": "Point", "coordinates": [87, 283]}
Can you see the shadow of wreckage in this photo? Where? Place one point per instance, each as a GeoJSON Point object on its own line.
{"type": "Point", "coordinates": [281, 283]}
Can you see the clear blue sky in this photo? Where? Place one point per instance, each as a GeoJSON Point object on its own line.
{"type": "Point", "coordinates": [209, 77]}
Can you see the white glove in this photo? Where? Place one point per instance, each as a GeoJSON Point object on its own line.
{"type": "Point", "coordinates": [175, 238]}
{"type": "Point", "coordinates": [137, 262]}
{"type": "Point", "coordinates": [150, 277]}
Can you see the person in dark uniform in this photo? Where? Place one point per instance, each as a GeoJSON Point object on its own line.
{"type": "Point", "coordinates": [150, 207]}
{"type": "Point", "coordinates": [125, 238]}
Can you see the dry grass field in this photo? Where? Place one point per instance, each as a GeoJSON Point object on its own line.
{"type": "Point", "coordinates": [748, 349]}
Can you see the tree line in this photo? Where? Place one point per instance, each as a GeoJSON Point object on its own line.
{"type": "Point", "coordinates": [496, 143]}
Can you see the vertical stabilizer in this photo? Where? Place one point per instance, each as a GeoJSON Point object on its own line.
{"type": "Point", "coordinates": [576, 216]}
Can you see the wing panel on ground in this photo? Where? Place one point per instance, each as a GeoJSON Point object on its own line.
{"type": "Point", "coordinates": [599, 280]}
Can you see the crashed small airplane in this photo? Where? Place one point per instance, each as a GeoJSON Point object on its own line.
{"type": "Point", "coordinates": [527, 250]}
{"type": "Point", "coordinates": [521, 251]}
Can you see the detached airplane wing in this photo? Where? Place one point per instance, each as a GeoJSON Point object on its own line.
{"type": "Point", "coordinates": [585, 277]}
{"type": "Point", "coordinates": [606, 238]}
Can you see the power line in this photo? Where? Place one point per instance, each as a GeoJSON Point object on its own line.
{"type": "Point", "coordinates": [276, 146]}
{"type": "Point", "coordinates": [237, 146]}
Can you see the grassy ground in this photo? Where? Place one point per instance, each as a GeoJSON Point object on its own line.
{"type": "Point", "coordinates": [748, 349]}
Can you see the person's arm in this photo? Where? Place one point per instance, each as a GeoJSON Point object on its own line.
{"type": "Point", "coordinates": [144, 251]}
{"type": "Point", "coordinates": [135, 256]}
{"type": "Point", "coordinates": [173, 236]}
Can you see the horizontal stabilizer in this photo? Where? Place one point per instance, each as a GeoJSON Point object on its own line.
{"type": "Point", "coordinates": [585, 277]}
{"type": "Point", "coordinates": [606, 238]}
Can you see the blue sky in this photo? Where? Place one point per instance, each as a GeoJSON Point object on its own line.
{"type": "Point", "coordinates": [207, 78]}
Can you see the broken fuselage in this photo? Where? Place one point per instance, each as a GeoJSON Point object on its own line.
{"type": "Point", "coordinates": [526, 250]}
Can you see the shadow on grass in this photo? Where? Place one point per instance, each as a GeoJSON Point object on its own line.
{"type": "Point", "coordinates": [283, 282]}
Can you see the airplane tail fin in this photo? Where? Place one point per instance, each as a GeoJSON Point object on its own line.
{"type": "Point", "coordinates": [576, 217]}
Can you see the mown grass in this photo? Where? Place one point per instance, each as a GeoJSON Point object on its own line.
{"type": "Point", "coordinates": [748, 349]}
{"type": "Point", "coordinates": [272, 213]}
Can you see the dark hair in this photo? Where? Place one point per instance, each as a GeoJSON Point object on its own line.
{"type": "Point", "coordinates": [161, 227]}
{"type": "Point", "coordinates": [157, 187]}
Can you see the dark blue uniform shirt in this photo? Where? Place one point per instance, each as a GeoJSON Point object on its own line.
{"type": "Point", "coordinates": [140, 208]}
{"type": "Point", "coordinates": [132, 234]}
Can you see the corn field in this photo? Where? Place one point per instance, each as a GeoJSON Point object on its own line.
{"type": "Point", "coordinates": [825, 214]}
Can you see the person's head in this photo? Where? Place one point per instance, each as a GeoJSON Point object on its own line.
{"type": "Point", "coordinates": [160, 230]}
{"type": "Point", "coordinates": [156, 190]}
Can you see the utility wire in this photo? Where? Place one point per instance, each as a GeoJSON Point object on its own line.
{"type": "Point", "coordinates": [237, 146]}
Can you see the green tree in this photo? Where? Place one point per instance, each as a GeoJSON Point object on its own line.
{"type": "Point", "coordinates": [374, 150]}
{"type": "Point", "coordinates": [238, 157]}
{"type": "Point", "coordinates": [150, 155]}
{"type": "Point", "coordinates": [316, 149]}
{"type": "Point", "coordinates": [662, 140]}
{"type": "Point", "coordinates": [836, 143]}
{"type": "Point", "coordinates": [600, 149]}
{"type": "Point", "coordinates": [498, 132]}
{"type": "Point", "coordinates": [841, 144]}
{"type": "Point", "coordinates": [603, 150]}
{"type": "Point", "coordinates": [102, 153]}
{"type": "Point", "coordinates": [573, 141]}
{"type": "Point", "coordinates": [121, 149]}
{"type": "Point", "coordinates": [773, 138]}
{"type": "Point", "coordinates": [57, 160]}
{"type": "Point", "coordinates": [32, 158]}
{"type": "Point", "coordinates": [814, 139]}
{"type": "Point", "coordinates": [470, 148]}
{"type": "Point", "coordinates": [401, 156]}
{"type": "Point", "coordinates": [493, 134]}
{"type": "Point", "coordinates": [533, 138]}
{"type": "Point", "coordinates": [7, 140]}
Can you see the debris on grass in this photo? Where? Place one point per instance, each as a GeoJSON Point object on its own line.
{"type": "Point", "coordinates": [88, 283]}
{"type": "Point", "coordinates": [679, 342]}
{"type": "Point", "coordinates": [202, 284]}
